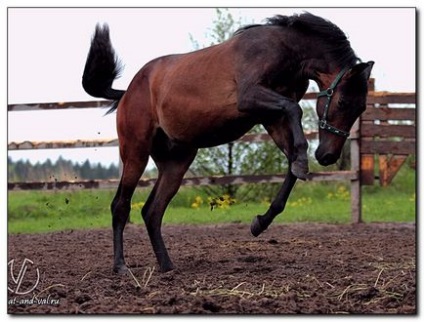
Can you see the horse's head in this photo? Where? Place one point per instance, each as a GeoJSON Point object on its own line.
{"type": "Point", "coordinates": [338, 107]}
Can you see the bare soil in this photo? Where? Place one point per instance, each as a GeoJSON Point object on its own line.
{"type": "Point", "coordinates": [294, 268]}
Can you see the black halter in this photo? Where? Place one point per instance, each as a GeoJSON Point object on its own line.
{"type": "Point", "coordinates": [329, 93]}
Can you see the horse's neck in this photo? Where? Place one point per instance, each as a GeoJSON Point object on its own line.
{"type": "Point", "coordinates": [320, 70]}
{"type": "Point", "coordinates": [317, 63]}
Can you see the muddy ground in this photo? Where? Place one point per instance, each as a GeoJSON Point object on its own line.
{"type": "Point", "coordinates": [296, 268]}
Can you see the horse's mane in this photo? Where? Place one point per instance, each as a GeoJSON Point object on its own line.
{"type": "Point", "coordinates": [332, 36]}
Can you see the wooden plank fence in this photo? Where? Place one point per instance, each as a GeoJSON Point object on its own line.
{"type": "Point", "coordinates": [383, 130]}
{"type": "Point", "coordinates": [390, 133]}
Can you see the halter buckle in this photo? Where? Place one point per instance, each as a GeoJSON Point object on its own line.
{"type": "Point", "coordinates": [328, 92]}
{"type": "Point", "coordinates": [322, 124]}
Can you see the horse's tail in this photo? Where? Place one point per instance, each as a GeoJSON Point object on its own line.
{"type": "Point", "coordinates": [102, 68]}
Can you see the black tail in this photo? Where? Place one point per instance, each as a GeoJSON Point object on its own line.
{"type": "Point", "coordinates": [102, 68]}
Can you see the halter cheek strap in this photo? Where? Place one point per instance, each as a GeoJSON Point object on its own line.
{"type": "Point", "coordinates": [329, 94]}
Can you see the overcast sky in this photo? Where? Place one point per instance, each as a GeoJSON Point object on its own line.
{"type": "Point", "coordinates": [47, 49]}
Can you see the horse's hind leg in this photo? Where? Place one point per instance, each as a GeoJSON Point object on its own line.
{"type": "Point", "coordinates": [121, 205]}
{"type": "Point", "coordinates": [172, 166]}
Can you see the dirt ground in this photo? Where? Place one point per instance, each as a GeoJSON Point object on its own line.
{"type": "Point", "coordinates": [295, 268]}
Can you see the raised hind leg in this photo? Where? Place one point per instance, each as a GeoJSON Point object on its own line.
{"type": "Point", "coordinates": [121, 205]}
{"type": "Point", "coordinates": [284, 140]}
{"type": "Point", "coordinates": [172, 166]}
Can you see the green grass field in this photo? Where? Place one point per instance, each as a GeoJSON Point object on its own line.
{"type": "Point", "coordinates": [41, 211]}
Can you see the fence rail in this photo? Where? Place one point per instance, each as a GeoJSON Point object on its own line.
{"type": "Point", "coordinates": [58, 105]}
{"type": "Point", "coordinates": [29, 145]}
{"type": "Point", "coordinates": [189, 181]}
{"type": "Point", "coordinates": [378, 132]}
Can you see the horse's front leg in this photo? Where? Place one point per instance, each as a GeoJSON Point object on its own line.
{"type": "Point", "coordinates": [261, 222]}
{"type": "Point", "coordinates": [268, 104]}
{"type": "Point", "coordinates": [282, 136]}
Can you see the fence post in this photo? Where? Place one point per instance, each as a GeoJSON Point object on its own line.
{"type": "Point", "coordinates": [121, 166]}
{"type": "Point", "coordinates": [355, 183]}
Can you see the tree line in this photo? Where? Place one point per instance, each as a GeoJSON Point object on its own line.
{"type": "Point", "coordinates": [61, 170]}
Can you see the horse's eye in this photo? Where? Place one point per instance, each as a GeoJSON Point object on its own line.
{"type": "Point", "coordinates": [342, 103]}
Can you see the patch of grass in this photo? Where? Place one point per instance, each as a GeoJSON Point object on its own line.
{"type": "Point", "coordinates": [38, 211]}
{"type": "Point", "coordinates": [328, 202]}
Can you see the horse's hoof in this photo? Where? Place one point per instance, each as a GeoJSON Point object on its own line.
{"type": "Point", "coordinates": [167, 268]}
{"type": "Point", "coordinates": [256, 228]}
{"type": "Point", "coordinates": [300, 169]}
{"type": "Point", "coordinates": [120, 270]}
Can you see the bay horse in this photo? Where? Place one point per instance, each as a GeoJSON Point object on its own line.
{"type": "Point", "coordinates": [179, 103]}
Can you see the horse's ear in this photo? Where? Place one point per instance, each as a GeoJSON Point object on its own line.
{"type": "Point", "coordinates": [362, 68]}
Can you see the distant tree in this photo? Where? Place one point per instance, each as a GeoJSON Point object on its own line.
{"type": "Point", "coordinates": [46, 169]}
{"type": "Point", "coordinates": [22, 171]}
{"type": "Point", "coordinates": [11, 170]}
{"type": "Point", "coordinates": [85, 170]}
{"type": "Point", "coordinates": [223, 28]}
{"type": "Point", "coordinates": [112, 172]}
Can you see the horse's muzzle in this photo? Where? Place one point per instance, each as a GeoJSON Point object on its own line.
{"type": "Point", "coordinates": [326, 159]}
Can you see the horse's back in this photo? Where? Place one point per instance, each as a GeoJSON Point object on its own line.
{"type": "Point", "coordinates": [193, 97]}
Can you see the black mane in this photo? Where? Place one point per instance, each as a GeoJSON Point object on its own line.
{"type": "Point", "coordinates": [307, 22]}
{"type": "Point", "coordinates": [332, 36]}
{"type": "Point", "coordinates": [244, 28]}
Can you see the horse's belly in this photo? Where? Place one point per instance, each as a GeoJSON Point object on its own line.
{"type": "Point", "coordinates": [218, 136]}
{"type": "Point", "coordinates": [206, 131]}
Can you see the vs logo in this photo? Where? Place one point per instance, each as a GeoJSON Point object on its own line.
{"type": "Point", "coordinates": [26, 280]}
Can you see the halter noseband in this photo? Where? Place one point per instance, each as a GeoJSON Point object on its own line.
{"type": "Point", "coordinates": [329, 93]}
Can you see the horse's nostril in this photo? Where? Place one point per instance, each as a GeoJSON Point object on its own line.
{"type": "Point", "coordinates": [327, 159]}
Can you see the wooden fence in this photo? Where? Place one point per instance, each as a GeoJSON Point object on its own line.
{"type": "Point", "coordinates": [383, 130]}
